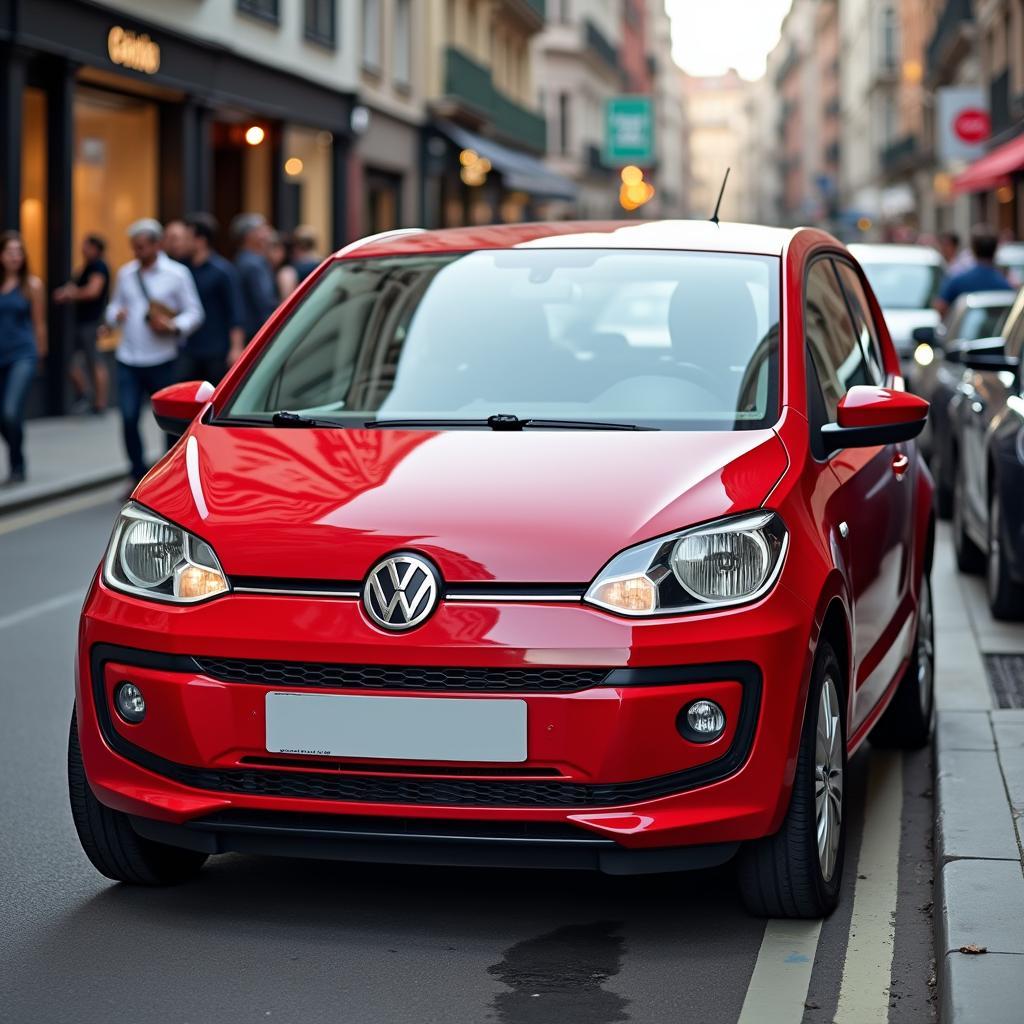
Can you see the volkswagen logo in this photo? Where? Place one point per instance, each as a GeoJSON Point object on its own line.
{"type": "Point", "coordinates": [401, 591]}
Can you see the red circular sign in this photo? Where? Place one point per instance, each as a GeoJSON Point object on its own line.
{"type": "Point", "coordinates": [972, 125]}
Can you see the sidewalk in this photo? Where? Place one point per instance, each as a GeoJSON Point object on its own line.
{"type": "Point", "coordinates": [72, 453]}
{"type": "Point", "coordinates": [979, 807]}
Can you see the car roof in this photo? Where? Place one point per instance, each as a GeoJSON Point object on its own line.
{"type": "Point", "coordinates": [866, 252]}
{"type": "Point", "coordinates": [999, 297]}
{"type": "Point", "coordinates": [700, 235]}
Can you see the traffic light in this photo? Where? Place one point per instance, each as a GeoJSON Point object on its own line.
{"type": "Point", "coordinates": [634, 191]}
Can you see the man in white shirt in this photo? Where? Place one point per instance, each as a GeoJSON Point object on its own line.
{"type": "Point", "coordinates": [157, 307]}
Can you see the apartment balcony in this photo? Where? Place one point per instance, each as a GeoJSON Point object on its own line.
{"type": "Point", "coordinates": [597, 44]}
{"type": "Point", "coordinates": [470, 87]}
{"type": "Point", "coordinates": [952, 39]}
{"type": "Point", "coordinates": [901, 156]}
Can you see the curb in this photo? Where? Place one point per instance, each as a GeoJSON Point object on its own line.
{"type": "Point", "coordinates": [40, 494]}
{"type": "Point", "coordinates": [979, 884]}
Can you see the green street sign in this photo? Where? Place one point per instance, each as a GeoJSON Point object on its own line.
{"type": "Point", "coordinates": [629, 130]}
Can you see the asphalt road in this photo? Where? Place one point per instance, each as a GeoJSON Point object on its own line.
{"type": "Point", "coordinates": [282, 940]}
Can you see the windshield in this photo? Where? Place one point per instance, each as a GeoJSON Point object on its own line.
{"type": "Point", "coordinates": [904, 285]}
{"type": "Point", "coordinates": [677, 340]}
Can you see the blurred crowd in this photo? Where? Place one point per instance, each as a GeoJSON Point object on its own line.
{"type": "Point", "coordinates": [179, 310]}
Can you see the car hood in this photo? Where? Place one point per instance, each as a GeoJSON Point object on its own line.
{"type": "Point", "coordinates": [530, 506]}
{"type": "Point", "coordinates": [903, 322]}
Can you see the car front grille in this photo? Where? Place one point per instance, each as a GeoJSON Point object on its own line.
{"type": "Point", "coordinates": [400, 677]}
{"type": "Point", "coordinates": [435, 792]}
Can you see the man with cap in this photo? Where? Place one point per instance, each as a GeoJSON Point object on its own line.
{"type": "Point", "coordinates": [157, 307]}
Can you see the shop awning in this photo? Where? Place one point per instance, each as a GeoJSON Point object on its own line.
{"type": "Point", "coordinates": [993, 169]}
{"type": "Point", "coordinates": [519, 171]}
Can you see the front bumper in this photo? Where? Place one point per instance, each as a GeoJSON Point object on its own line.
{"type": "Point", "coordinates": [604, 759]}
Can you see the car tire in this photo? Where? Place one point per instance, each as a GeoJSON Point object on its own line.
{"type": "Point", "coordinates": [970, 558]}
{"type": "Point", "coordinates": [1005, 595]}
{"type": "Point", "coordinates": [906, 724]}
{"type": "Point", "coordinates": [789, 874]}
{"type": "Point", "coordinates": [110, 842]}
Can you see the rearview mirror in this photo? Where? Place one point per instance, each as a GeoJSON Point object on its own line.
{"type": "Point", "coordinates": [924, 335]}
{"type": "Point", "coordinates": [984, 354]}
{"type": "Point", "coordinates": [868, 415]}
{"type": "Point", "coordinates": [177, 406]}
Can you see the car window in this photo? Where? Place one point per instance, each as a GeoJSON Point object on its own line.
{"type": "Point", "coordinates": [867, 334]}
{"type": "Point", "coordinates": [981, 322]}
{"type": "Point", "coordinates": [833, 343]}
{"type": "Point", "coordinates": [1014, 329]}
{"type": "Point", "coordinates": [679, 340]}
{"type": "Point", "coordinates": [904, 285]}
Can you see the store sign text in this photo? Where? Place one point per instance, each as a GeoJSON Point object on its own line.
{"type": "Point", "coordinates": [133, 50]}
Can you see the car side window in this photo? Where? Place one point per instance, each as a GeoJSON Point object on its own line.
{"type": "Point", "coordinates": [867, 333]}
{"type": "Point", "coordinates": [832, 342]}
{"type": "Point", "coordinates": [1013, 329]}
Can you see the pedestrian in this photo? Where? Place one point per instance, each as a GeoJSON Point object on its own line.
{"type": "Point", "coordinates": [22, 343]}
{"type": "Point", "coordinates": [305, 252]}
{"type": "Point", "coordinates": [259, 293]}
{"type": "Point", "coordinates": [156, 304]}
{"type": "Point", "coordinates": [957, 258]}
{"type": "Point", "coordinates": [286, 280]}
{"type": "Point", "coordinates": [89, 290]}
{"type": "Point", "coordinates": [219, 340]}
{"type": "Point", "coordinates": [177, 243]}
{"type": "Point", "coordinates": [981, 277]}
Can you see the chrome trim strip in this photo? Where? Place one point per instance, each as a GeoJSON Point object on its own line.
{"type": "Point", "coordinates": [284, 592]}
{"type": "Point", "coordinates": [533, 598]}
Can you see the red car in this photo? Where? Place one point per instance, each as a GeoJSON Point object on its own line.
{"type": "Point", "coordinates": [639, 631]}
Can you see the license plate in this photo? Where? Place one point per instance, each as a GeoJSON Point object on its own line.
{"type": "Point", "coordinates": [400, 728]}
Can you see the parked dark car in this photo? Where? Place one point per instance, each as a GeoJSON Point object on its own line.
{"type": "Point", "coordinates": [987, 421]}
{"type": "Point", "coordinates": [973, 317]}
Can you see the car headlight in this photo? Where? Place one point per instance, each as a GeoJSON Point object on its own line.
{"type": "Point", "coordinates": [727, 562]}
{"type": "Point", "coordinates": [151, 557]}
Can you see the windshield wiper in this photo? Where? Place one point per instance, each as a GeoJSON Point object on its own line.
{"type": "Point", "coordinates": [509, 421]}
{"type": "Point", "coordinates": [283, 418]}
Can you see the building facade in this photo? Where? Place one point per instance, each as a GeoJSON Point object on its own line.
{"type": "Point", "coordinates": [121, 110]}
{"type": "Point", "coordinates": [485, 135]}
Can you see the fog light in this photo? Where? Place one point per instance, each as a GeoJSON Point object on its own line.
{"type": "Point", "coordinates": [702, 721]}
{"type": "Point", "coordinates": [130, 703]}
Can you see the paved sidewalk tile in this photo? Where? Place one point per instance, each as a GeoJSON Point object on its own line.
{"type": "Point", "coordinates": [963, 730]}
{"type": "Point", "coordinates": [972, 814]}
{"type": "Point", "coordinates": [982, 989]}
{"type": "Point", "coordinates": [983, 905]}
{"type": "Point", "coordinates": [70, 453]}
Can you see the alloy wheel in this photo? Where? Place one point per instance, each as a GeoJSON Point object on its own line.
{"type": "Point", "coordinates": [828, 777]}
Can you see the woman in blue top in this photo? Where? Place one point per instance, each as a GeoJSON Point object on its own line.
{"type": "Point", "coordinates": [22, 342]}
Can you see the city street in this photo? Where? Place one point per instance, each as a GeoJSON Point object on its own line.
{"type": "Point", "coordinates": [285, 940]}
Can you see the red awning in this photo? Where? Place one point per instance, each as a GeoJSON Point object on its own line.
{"type": "Point", "coordinates": [993, 169]}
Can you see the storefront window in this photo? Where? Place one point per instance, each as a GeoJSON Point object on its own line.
{"type": "Point", "coordinates": [115, 174]}
{"type": "Point", "coordinates": [33, 180]}
{"type": "Point", "coordinates": [308, 163]}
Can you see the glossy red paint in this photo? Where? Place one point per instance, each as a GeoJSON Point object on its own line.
{"type": "Point", "coordinates": [867, 406]}
{"type": "Point", "coordinates": [529, 507]}
{"type": "Point", "coordinates": [182, 402]}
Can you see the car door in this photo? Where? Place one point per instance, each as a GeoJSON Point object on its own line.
{"type": "Point", "coordinates": [873, 496]}
{"type": "Point", "coordinates": [984, 397]}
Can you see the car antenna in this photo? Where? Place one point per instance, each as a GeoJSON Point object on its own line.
{"type": "Point", "coordinates": [721, 192]}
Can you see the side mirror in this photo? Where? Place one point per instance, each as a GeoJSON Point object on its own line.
{"type": "Point", "coordinates": [984, 354]}
{"type": "Point", "coordinates": [924, 335]}
{"type": "Point", "coordinates": [869, 416]}
{"type": "Point", "coordinates": [177, 406]}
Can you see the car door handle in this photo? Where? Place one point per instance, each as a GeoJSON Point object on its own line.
{"type": "Point", "coordinates": [900, 465]}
